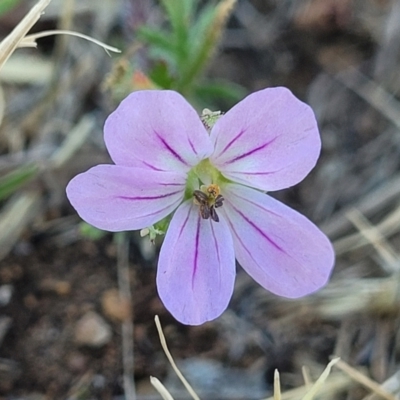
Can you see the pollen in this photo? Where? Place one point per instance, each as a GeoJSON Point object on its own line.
{"type": "Point", "coordinates": [213, 190]}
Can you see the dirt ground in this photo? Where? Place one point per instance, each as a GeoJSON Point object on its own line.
{"type": "Point", "coordinates": [64, 317]}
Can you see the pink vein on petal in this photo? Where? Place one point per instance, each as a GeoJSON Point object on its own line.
{"type": "Point", "coordinates": [249, 153]}
{"type": "Point", "coordinates": [254, 203]}
{"type": "Point", "coordinates": [148, 197]}
{"type": "Point", "coordinates": [217, 249]}
{"type": "Point", "coordinates": [196, 253]}
{"type": "Point", "coordinates": [159, 211]}
{"type": "Point", "coordinates": [241, 241]}
{"type": "Point", "coordinates": [192, 147]}
{"type": "Point", "coordinates": [258, 229]}
{"type": "Point", "coordinates": [252, 173]}
{"type": "Point", "coordinates": [170, 149]}
{"type": "Point", "coordinates": [151, 166]}
{"type": "Point", "coordinates": [184, 224]}
{"type": "Point", "coordinates": [231, 142]}
{"type": "Point", "coordinates": [171, 184]}
{"type": "Point", "coordinates": [244, 246]}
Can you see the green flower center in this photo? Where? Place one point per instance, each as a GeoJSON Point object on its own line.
{"type": "Point", "coordinates": [203, 186]}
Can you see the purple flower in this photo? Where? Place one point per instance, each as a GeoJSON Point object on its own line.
{"type": "Point", "coordinates": [167, 162]}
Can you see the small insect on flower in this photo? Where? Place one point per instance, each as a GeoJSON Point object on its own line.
{"type": "Point", "coordinates": [209, 202]}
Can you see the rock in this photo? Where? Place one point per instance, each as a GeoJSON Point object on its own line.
{"type": "Point", "coordinates": [61, 288]}
{"type": "Point", "coordinates": [91, 330]}
{"type": "Point", "coordinates": [6, 292]}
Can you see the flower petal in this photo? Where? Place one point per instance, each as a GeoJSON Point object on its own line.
{"type": "Point", "coordinates": [269, 141]}
{"type": "Point", "coordinates": [116, 198]}
{"type": "Point", "coordinates": [280, 248]}
{"type": "Point", "coordinates": [158, 130]}
{"type": "Point", "coordinates": [196, 268]}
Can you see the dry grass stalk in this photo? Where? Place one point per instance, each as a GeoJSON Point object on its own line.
{"type": "Point", "coordinates": [320, 381]}
{"type": "Point", "coordinates": [18, 212]}
{"type": "Point", "coordinates": [12, 41]}
{"type": "Point", "coordinates": [306, 392]}
{"type": "Point", "coordinates": [73, 142]}
{"type": "Point", "coordinates": [161, 389]}
{"type": "Point", "coordinates": [391, 385]}
{"type": "Point", "coordinates": [344, 297]}
{"type": "Point", "coordinates": [127, 324]}
{"type": "Point", "coordinates": [172, 362]}
{"type": "Point", "coordinates": [30, 40]}
{"type": "Point", "coordinates": [14, 71]}
{"type": "Point", "coordinates": [277, 386]}
{"type": "Point", "coordinates": [373, 93]}
{"type": "Point", "coordinates": [224, 10]}
{"type": "Point", "coordinates": [19, 38]}
{"type": "Point", "coordinates": [364, 380]}
{"type": "Point", "coordinates": [22, 209]}
{"type": "Point", "coordinates": [65, 22]}
{"type": "Point", "coordinates": [370, 204]}
{"type": "Point", "coordinates": [336, 383]}
{"type": "Point", "coordinates": [390, 259]}
{"type": "Point", "coordinates": [388, 226]}
{"type": "Point", "coordinates": [306, 376]}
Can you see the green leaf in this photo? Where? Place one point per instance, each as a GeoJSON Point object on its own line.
{"type": "Point", "coordinates": [211, 26]}
{"type": "Point", "coordinates": [12, 181]}
{"type": "Point", "coordinates": [160, 75]}
{"type": "Point", "coordinates": [7, 5]}
{"type": "Point", "coordinates": [158, 39]}
{"type": "Point", "coordinates": [161, 46]}
{"type": "Point", "coordinates": [90, 232]}
{"type": "Point", "coordinates": [198, 31]}
{"type": "Point", "coordinates": [180, 15]}
{"type": "Point", "coordinates": [219, 91]}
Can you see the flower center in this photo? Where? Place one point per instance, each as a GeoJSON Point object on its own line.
{"type": "Point", "coordinates": [208, 198]}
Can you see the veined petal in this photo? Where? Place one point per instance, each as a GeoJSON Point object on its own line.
{"type": "Point", "coordinates": [157, 130]}
{"type": "Point", "coordinates": [116, 198]}
{"type": "Point", "coordinates": [196, 268]}
{"type": "Point", "coordinates": [269, 141]}
{"type": "Point", "coordinates": [280, 248]}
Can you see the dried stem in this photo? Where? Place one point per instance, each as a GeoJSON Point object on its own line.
{"type": "Point", "coordinates": [30, 40]}
{"type": "Point", "coordinates": [127, 325]}
{"type": "Point", "coordinates": [277, 386]}
{"type": "Point", "coordinates": [364, 380]}
{"type": "Point", "coordinates": [171, 360]}
{"type": "Point", "coordinates": [12, 41]}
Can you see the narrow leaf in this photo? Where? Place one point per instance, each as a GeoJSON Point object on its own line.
{"type": "Point", "coordinates": [208, 45]}
{"type": "Point", "coordinates": [12, 181]}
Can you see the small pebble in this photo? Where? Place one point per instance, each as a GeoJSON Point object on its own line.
{"type": "Point", "coordinates": [91, 330]}
{"type": "Point", "coordinates": [115, 307]}
{"type": "Point", "coordinates": [61, 288]}
{"type": "Point", "coordinates": [6, 292]}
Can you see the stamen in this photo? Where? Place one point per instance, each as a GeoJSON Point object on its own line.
{"type": "Point", "coordinates": [218, 202]}
{"type": "Point", "coordinates": [213, 214]}
{"type": "Point", "coordinates": [205, 211]}
{"type": "Point", "coordinates": [200, 197]}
